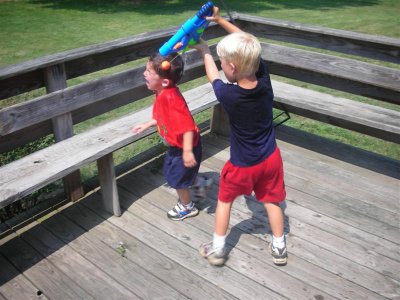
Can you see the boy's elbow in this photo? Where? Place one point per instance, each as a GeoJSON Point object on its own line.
{"type": "Point", "coordinates": [211, 79]}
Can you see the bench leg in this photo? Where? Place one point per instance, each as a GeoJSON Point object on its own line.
{"type": "Point", "coordinates": [219, 121]}
{"type": "Point", "coordinates": [108, 184]}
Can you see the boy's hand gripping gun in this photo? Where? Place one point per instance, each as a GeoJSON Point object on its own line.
{"type": "Point", "coordinates": [190, 32]}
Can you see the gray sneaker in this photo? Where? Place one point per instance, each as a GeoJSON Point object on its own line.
{"type": "Point", "coordinates": [215, 257]}
{"type": "Point", "coordinates": [200, 190]}
{"type": "Point", "coordinates": [279, 255]}
{"type": "Point", "coordinates": [180, 212]}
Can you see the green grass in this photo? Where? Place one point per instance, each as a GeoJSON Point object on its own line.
{"type": "Point", "coordinates": [35, 28]}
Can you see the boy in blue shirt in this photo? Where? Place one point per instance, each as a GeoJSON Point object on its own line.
{"type": "Point", "coordinates": [255, 162]}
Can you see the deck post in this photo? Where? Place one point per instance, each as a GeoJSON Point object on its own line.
{"type": "Point", "coordinates": [219, 121]}
{"type": "Point", "coordinates": [108, 184]}
{"type": "Point", "coordinates": [56, 79]}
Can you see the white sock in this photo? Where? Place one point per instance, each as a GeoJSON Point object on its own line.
{"type": "Point", "coordinates": [278, 242]}
{"type": "Point", "coordinates": [218, 241]}
{"type": "Point", "coordinates": [189, 205]}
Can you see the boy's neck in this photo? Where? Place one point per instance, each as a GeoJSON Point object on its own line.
{"type": "Point", "coordinates": [158, 92]}
{"type": "Point", "coordinates": [248, 82]}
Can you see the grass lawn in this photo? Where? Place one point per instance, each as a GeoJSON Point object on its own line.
{"type": "Point", "coordinates": [34, 28]}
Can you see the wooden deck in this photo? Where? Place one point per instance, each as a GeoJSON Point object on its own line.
{"type": "Point", "coordinates": [342, 220]}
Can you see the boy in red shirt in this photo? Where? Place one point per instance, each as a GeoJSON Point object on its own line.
{"type": "Point", "coordinates": [176, 126]}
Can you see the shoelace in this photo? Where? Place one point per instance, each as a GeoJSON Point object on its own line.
{"type": "Point", "coordinates": [182, 207]}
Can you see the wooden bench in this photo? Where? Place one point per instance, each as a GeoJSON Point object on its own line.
{"type": "Point", "coordinates": [345, 113]}
{"type": "Point", "coordinates": [343, 74]}
{"type": "Point", "coordinates": [28, 174]}
{"type": "Point", "coordinates": [63, 107]}
{"type": "Point", "coordinates": [364, 118]}
{"type": "Point", "coordinates": [26, 122]}
{"type": "Point", "coordinates": [349, 75]}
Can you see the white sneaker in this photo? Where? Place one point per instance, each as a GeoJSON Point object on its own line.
{"type": "Point", "coordinates": [279, 255]}
{"type": "Point", "coordinates": [215, 257]}
{"type": "Point", "coordinates": [181, 212]}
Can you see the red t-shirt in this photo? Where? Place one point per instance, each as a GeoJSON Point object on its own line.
{"type": "Point", "coordinates": [173, 117]}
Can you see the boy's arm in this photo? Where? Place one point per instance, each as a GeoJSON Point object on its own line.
{"type": "Point", "coordinates": [202, 47]}
{"type": "Point", "coordinates": [187, 150]}
{"type": "Point", "coordinates": [224, 23]}
{"type": "Point", "coordinates": [211, 67]}
{"type": "Point", "coordinates": [142, 127]}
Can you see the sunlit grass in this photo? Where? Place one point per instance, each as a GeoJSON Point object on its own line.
{"type": "Point", "coordinates": [34, 28]}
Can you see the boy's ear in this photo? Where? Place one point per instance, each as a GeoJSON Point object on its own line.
{"type": "Point", "coordinates": [233, 68]}
{"type": "Point", "coordinates": [165, 82]}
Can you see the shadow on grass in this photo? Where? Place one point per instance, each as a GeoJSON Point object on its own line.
{"type": "Point", "coordinates": [164, 7]}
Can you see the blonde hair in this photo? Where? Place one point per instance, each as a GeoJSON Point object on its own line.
{"type": "Point", "coordinates": [243, 50]}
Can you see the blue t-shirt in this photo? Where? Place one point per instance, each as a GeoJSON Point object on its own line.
{"type": "Point", "coordinates": [252, 132]}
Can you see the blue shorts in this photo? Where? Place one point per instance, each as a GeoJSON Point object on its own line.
{"type": "Point", "coordinates": [175, 172]}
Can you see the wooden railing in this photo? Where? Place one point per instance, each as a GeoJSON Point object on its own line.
{"type": "Point", "coordinates": [62, 107]}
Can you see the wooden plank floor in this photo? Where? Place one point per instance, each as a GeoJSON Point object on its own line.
{"type": "Point", "coordinates": [341, 218]}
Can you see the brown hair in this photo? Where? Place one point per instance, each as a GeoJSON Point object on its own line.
{"type": "Point", "coordinates": [174, 72]}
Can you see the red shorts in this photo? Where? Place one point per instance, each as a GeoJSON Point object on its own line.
{"type": "Point", "coordinates": [265, 179]}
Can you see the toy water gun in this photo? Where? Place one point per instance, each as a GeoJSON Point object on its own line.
{"type": "Point", "coordinates": [190, 32]}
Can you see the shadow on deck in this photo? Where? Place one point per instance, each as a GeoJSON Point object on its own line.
{"type": "Point", "coordinates": [342, 221]}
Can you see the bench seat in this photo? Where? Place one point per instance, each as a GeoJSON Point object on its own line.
{"type": "Point", "coordinates": [364, 118]}
{"type": "Point", "coordinates": [30, 173]}
{"type": "Point", "coordinates": [345, 113]}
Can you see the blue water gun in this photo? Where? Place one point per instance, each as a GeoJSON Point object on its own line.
{"type": "Point", "coordinates": [190, 32]}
